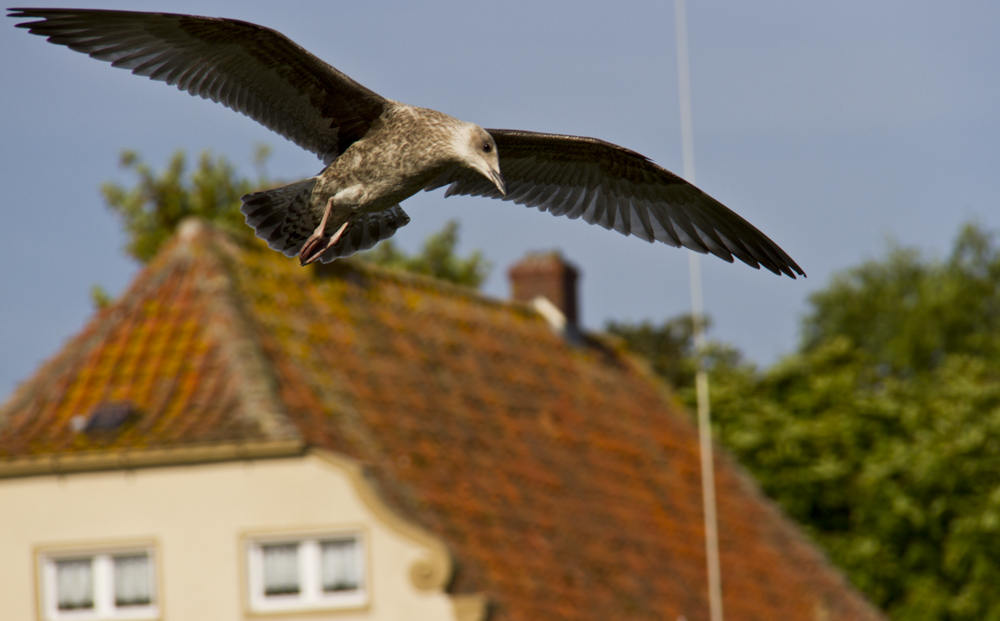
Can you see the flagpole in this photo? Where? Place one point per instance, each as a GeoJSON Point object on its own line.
{"type": "Point", "coordinates": [697, 317]}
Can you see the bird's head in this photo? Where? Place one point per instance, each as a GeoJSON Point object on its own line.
{"type": "Point", "coordinates": [478, 151]}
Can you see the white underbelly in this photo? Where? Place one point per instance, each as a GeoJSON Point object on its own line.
{"type": "Point", "coordinates": [351, 196]}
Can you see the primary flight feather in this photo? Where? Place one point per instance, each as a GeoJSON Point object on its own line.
{"type": "Point", "coordinates": [379, 152]}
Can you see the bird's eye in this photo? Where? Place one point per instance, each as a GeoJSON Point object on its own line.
{"type": "Point", "coordinates": [487, 147]}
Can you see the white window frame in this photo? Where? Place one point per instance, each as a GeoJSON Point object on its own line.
{"type": "Point", "coordinates": [102, 572]}
{"type": "Point", "coordinates": [311, 595]}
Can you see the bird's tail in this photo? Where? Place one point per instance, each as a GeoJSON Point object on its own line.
{"type": "Point", "coordinates": [284, 218]}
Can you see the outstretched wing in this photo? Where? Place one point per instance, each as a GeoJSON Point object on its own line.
{"type": "Point", "coordinates": [249, 68]}
{"type": "Point", "coordinates": [618, 189]}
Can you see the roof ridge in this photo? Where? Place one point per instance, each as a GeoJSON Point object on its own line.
{"type": "Point", "coordinates": [424, 281]}
{"type": "Point", "coordinates": [258, 385]}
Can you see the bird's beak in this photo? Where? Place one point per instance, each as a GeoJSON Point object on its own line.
{"type": "Point", "coordinates": [498, 181]}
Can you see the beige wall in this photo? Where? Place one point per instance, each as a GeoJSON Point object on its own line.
{"type": "Point", "coordinates": [196, 516]}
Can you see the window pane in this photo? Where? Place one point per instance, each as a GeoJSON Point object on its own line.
{"type": "Point", "coordinates": [75, 584]}
{"type": "Point", "coordinates": [340, 565]}
{"type": "Point", "coordinates": [281, 569]}
{"type": "Point", "coordinates": [133, 580]}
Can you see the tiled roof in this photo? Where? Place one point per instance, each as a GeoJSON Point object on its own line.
{"type": "Point", "coordinates": [564, 478]}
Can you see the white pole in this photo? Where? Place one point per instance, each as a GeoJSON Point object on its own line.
{"type": "Point", "coordinates": [701, 377]}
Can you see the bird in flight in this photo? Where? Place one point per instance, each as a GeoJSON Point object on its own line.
{"type": "Point", "coordinates": [378, 152]}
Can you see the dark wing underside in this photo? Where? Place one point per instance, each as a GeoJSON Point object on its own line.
{"type": "Point", "coordinates": [618, 189]}
{"type": "Point", "coordinates": [249, 68]}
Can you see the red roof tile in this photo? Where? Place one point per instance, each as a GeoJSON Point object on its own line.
{"type": "Point", "coordinates": [563, 478]}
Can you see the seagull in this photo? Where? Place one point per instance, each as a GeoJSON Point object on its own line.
{"type": "Point", "coordinates": [378, 152]}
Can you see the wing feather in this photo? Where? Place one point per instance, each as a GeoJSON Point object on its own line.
{"type": "Point", "coordinates": [641, 215]}
{"type": "Point", "coordinates": [576, 201]}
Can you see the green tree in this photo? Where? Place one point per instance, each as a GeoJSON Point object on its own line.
{"type": "Point", "coordinates": [152, 209]}
{"type": "Point", "coordinates": [669, 348]}
{"type": "Point", "coordinates": [909, 312]}
{"type": "Point", "coordinates": [881, 435]}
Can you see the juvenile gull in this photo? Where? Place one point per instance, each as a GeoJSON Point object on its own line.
{"type": "Point", "coordinates": [379, 152]}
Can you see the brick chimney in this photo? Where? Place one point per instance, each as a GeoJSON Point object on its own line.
{"type": "Point", "coordinates": [548, 275]}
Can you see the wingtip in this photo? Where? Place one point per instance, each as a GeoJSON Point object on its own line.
{"type": "Point", "coordinates": [18, 11]}
{"type": "Point", "coordinates": [792, 269]}
{"type": "Point", "coordinates": [795, 266]}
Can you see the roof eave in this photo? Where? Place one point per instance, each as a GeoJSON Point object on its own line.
{"type": "Point", "coordinates": [128, 459]}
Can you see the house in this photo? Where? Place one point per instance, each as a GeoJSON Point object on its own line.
{"type": "Point", "coordinates": [241, 438]}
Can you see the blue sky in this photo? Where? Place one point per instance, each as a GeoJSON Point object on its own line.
{"type": "Point", "coordinates": [831, 126]}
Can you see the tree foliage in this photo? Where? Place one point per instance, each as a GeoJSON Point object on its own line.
{"type": "Point", "coordinates": [881, 435]}
{"type": "Point", "coordinates": [669, 348]}
{"type": "Point", "coordinates": [152, 209]}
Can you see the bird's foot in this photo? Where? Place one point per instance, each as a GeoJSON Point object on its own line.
{"type": "Point", "coordinates": [314, 247]}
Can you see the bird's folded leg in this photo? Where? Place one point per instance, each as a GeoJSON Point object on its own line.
{"type": "Point", "coordinates": [314, 247]}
